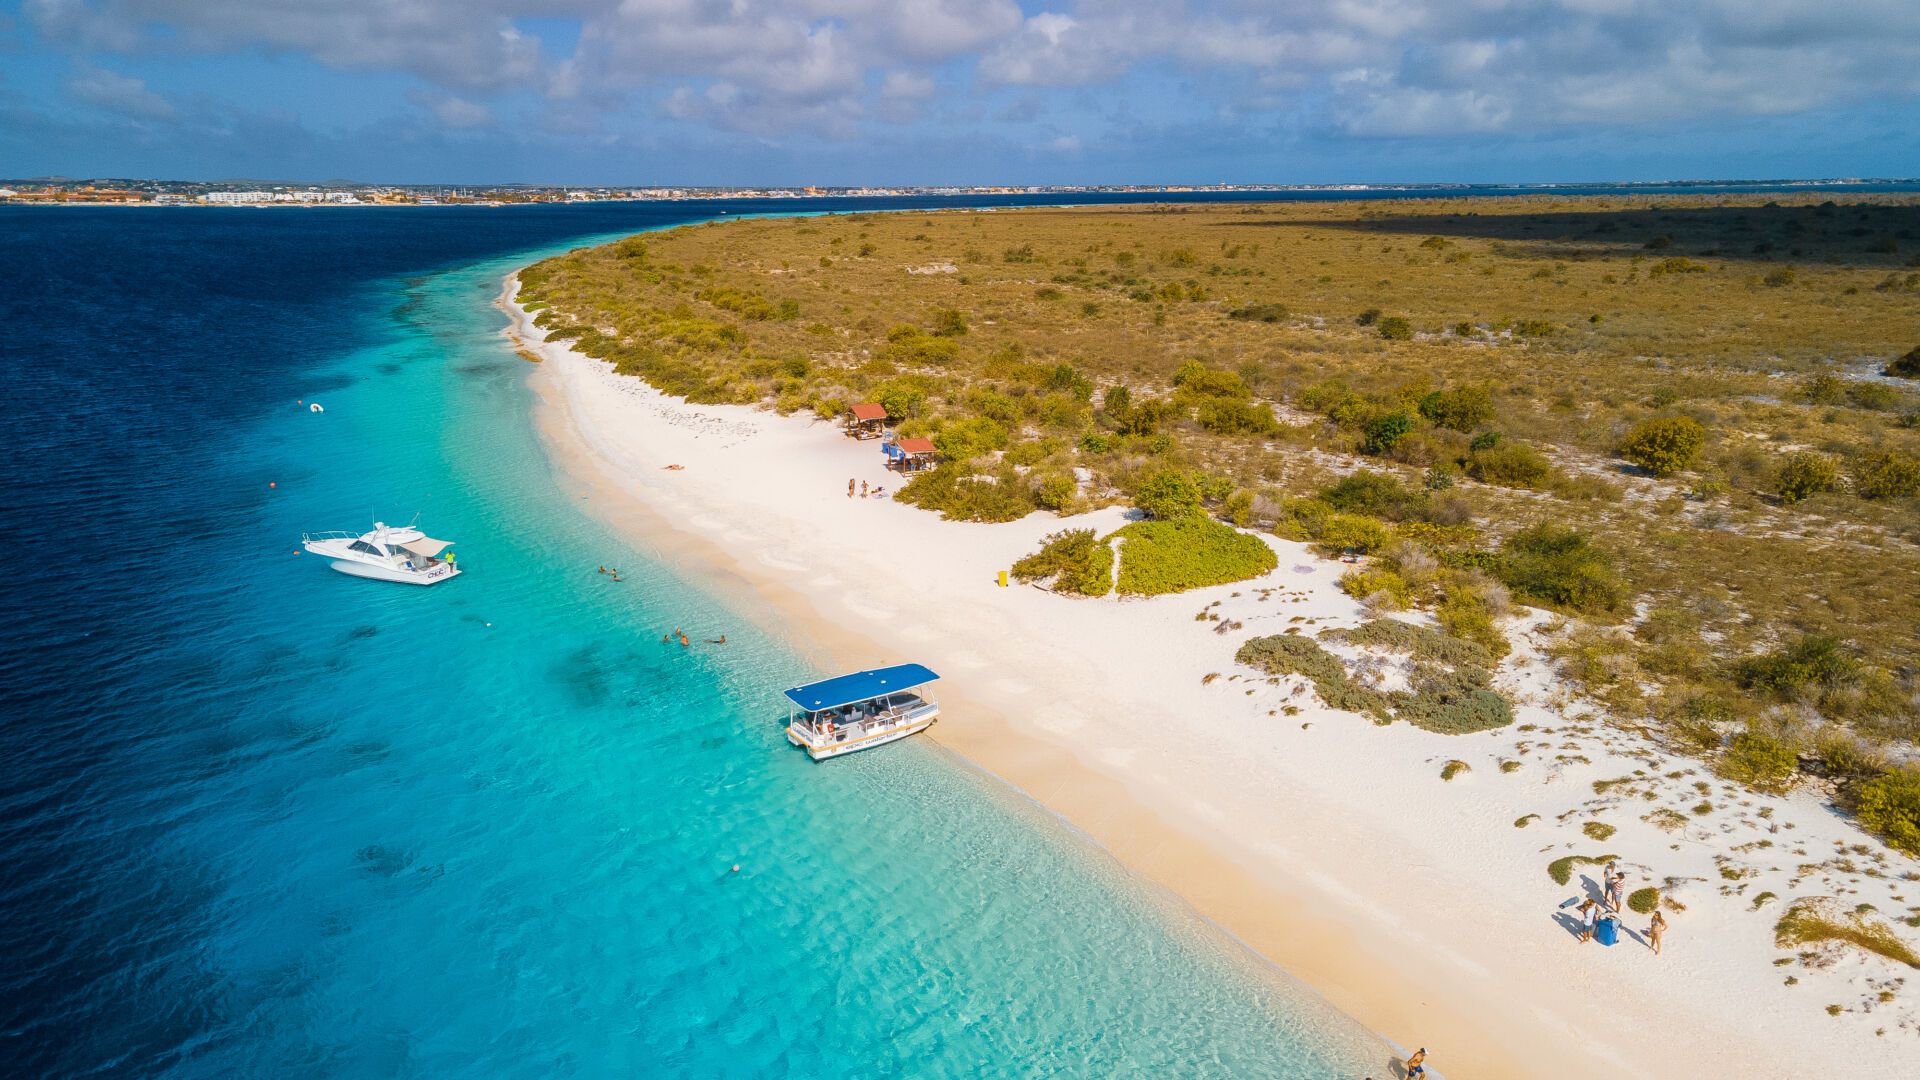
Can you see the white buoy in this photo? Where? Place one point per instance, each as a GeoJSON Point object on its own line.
{"type": "Point", "coordinates": [315, 407]}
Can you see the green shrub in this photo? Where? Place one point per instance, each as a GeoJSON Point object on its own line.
{"type": "Point", "coordinates": [1159, 557]}
{"type": "Point", "coordinates": [1558, 566]}
{"type": "Point", "coordinates": [1055, 492]}
{"type": "Point", "coordinates": [1824, 389]}
{"type": "Point", "coordinates": [1758, 760]}
{"type": "Point", "coordinates": [1886, 476]}
{"type": "Point", "coordinates": [970, 438]}
{"type": "Point", "coordinates": [1643, 901]}
{"type": "Point", "coordinates": [1226, 417]}
{"type": "Point", "coordinates": [1396, 328]}
{"type": "Point", "coordinates": [1813, 920]}
{"type": "Point", "coordinates": [1376, 494]}
{"type": "Point", "coordinates": [1361, 584]}
{"type": "Point", "coordinates": [1454, 768]}
{"type": "Point", "coordinates": [1814, 660]}
{"type": "Point", "coordinates": [1889, 806]}
{"type": "Point", "coordinates": [1351, 532]}
{"type": "Point", "coordinates": [1419, 641]}
{"type": "Point", "coordinates": [1561, 870]}
{"type": "Point", "coordinates": [1664, 446]}
{"type": "Point", "coordinates": [1456, 712]}
{"type": "Point", "coordinates": [1168, 496]}
{"type": "Point", "coordinates": [1804, 475]}
{"type": "Point", "coordinates": [1073, 560]}
{"type": "Point", "coordinates": [1268, 313]}
{"type": "Point", "coordinates": [1782, 276]}
{"type": "Point", "coordinates": [959, 494]}
{"type": "Point", "coordinates": [1292, 654]}
{"type": "Point", "coordinates": [1907, 367]}
{"type": "Point", "coordinates": [1509, 463]}
{"type": "Point", "coordinates": [950, 322]}
{"type": "Point", "coordinates": [904, 397]}
{"type": "Point", "coordinates": [1598, 830]}
{"type": "Point", "coordinates": [1383, 432]}
{"type": "Point", "coordinates": [1033, 451]}
{"type": "Point", "coordinates": [1462, 408]}
{"type": "Point", "coordinates": [1464, 615]}
{"type": "Point", "coordinates": [1368, 317]}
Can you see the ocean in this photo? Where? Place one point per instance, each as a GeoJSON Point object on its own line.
{"type": "Point", "coordinates": [260, 819]}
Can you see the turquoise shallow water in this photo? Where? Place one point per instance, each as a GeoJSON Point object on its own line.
{"type": "Point", "coordinates": [268, 820]}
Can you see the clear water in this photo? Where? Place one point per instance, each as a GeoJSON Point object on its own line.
{"type": "Point", "coordinates": [262, 819]}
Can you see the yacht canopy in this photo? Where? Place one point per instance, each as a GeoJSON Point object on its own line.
{"type": "Point", "coordinates": [859, 686]}
{"type": "Point", "coordinates": [427, 547]}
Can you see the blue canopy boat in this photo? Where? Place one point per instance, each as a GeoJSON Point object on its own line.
{"type": "Point", "coordinates": [850, 713]}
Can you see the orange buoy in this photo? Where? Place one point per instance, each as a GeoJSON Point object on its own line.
{"type": "Point", "coordinates": [272, 484]}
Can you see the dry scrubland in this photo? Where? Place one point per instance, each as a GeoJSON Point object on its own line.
{"type": "Point", "coordinates": [1681, 424]}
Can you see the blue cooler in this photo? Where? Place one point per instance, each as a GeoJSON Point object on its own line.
{"type": "Point", "coordinates": [1607, 932]}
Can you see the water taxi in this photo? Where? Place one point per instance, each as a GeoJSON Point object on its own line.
{"type": "Point", "coordinates": [387, 554]}
{"type": "Point", "coordinates": [850, 713]}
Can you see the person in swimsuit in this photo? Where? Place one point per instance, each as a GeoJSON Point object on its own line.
{"type": "Point", "coordinates": [1417, 1064]}
{"type": "Point", "coordinates": [1654, 931]}
{"type": "Point", "coordinates": [849, 489]}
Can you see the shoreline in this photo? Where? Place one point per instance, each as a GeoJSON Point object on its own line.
{"type": "Point", "coordinates": [1331, 851]}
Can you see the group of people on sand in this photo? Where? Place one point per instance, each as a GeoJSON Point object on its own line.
{"type": "Point", "coordinates": [877, 492]}
{"type": "Point", "coordinates": [684, 643]}
{"type": "Point", "coordinates": [1613, 892]}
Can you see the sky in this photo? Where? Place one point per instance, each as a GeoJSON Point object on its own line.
{"type": "Point", "coordinates": [848, 92]}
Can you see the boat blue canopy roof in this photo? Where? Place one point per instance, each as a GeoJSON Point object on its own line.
{"type": "Point", "coordinates": [859, 686]}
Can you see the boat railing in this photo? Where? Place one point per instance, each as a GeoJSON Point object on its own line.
{"type": "Point", "coordinates": [892, 717]}
{"type": "Point", "coordinates": [334, 534]}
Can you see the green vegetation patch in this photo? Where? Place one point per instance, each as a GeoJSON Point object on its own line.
{"type": "Point", "coordinates": [1643, 900]}
{"type": "Point", "coordinates": [1073, 561]}
{"type": "Point", "coordinates": [1889, 805]}
{"type": "Point", "coordinates": [1666, 445]}
{"type": "Point", "coordinates": [1815, 920]}
{"type": "Point", "coordinates": [1292, 654]}
{"type": "Point", "coordinates": [1561, 870]}
{"type": "Point", "coordinates": [1173, 556]}
{"type": "Point", "coordinates": [1418, 641]}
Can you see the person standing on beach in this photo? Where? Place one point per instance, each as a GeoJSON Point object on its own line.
{"type": "Point", "coordinates": [849, 489]}
{"type": "Point", "coordinates": [863, 489]}
{"type": "Point", "coordinates": [1654, 931]}
{"type": "Point", "coordinates": [1616, 890]}
{"type": "Point", "coordinates": [1417, 1064]}
{"type": "Point", "coordinates": [1589, 916]}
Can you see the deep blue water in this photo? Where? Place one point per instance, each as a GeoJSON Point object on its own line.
{"type": "Point", "coordinates": [258, 819]}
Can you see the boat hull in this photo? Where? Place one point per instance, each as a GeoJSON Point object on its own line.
{"type": "Point", "coordinates": [823, 751]}
{"type": "Point", "coordinates": [404, 577]}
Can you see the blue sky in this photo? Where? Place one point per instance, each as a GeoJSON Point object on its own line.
{"type": "Point", "coordinates": [638, 92]}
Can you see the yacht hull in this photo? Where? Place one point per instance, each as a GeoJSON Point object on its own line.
{"type": "Point", "coordinates": [381, 573]}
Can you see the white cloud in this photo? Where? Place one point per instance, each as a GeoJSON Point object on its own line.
{"type": "Point", "coordinates": [1367, 67]}
{"type": "Point", "coordinates": [116, 93]}
{"type": "Point", "coordinates": [454, 112]}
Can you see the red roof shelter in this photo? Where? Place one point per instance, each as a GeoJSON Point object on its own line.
{"type": "Point", "coordinates": [866, 420]}
{"type": "Point", "coordinates": [915, 453]}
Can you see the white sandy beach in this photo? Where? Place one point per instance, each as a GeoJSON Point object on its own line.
{"type": "Point", "coordinates": [1329, 844]}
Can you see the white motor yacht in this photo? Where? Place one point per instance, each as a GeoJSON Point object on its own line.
{"type": "Point", "coordinates": [389, 554]}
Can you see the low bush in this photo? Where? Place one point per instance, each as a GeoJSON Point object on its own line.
{"type": "Point", "coordinates": [1664, 446]}
{"type": "Point", "coordinates": [1509, 463]}
{"type": "Point", "coordinates": [1759, 760]}
{"type": "Point", "coordinates": [1465, 615]}
{"type": "Point", "coordinates": [1159, 557]}
{"type": "Point", "coordinates": [1889, 806]}
{"type": "Point", "coordinates": [970, 438]}
{"type": "Point", "coordinates": [1643, 901]}
{"type": "Point", "coordinates": [1073, 560]}
{"type": "Point", "coordinates": [1559, 566]}
{"type": "Point", "coordinates": [1396, 328]}
{"type": "Point", "coordinates": [1383, 432]}
{"type": "Point", "coordinates": [1462, 408]}
{"type": "Point", "coordinates": [1420, 642]}
{"type": "Point", "coordinates": [960, 495]}
{"type": "Point", "coordinates": [1598, 830]}
{"type": "Point", "coordinates": [1454, 768]}
{"type": "Point", "coordinates": [1561, 870]}
{"type": "Point", "coordinates": [1361, 584]}
{"type": "Point", "coordinates": [1168, 496]}
{"type": "Point", "coordinates": [1907, 367]}
{"type": "Point", "coordinates": [1802, 476]}
{"type": "Point", "coordinates": [1351, 532]}
{"type": "Point", "coordinates": [1292, 654]}
{"type": "Point", "coordinates": [1814, 660]}
{"type": "Point", "coordinates": [1376, 494]}
{"type": "Point", "coordinates": [1463, 713]}
{"type": "Point", "coordinates": [1268, 313]}
{"type": "Point", "coordinates": [1886, 476]}
{"type": "Point", "coordinates": [1815, 920]}
{"type": "Point", "coordinates": [1227, 417]}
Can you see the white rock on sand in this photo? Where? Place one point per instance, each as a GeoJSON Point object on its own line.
{"type": "Point", "coordinates": [1328, 843]}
